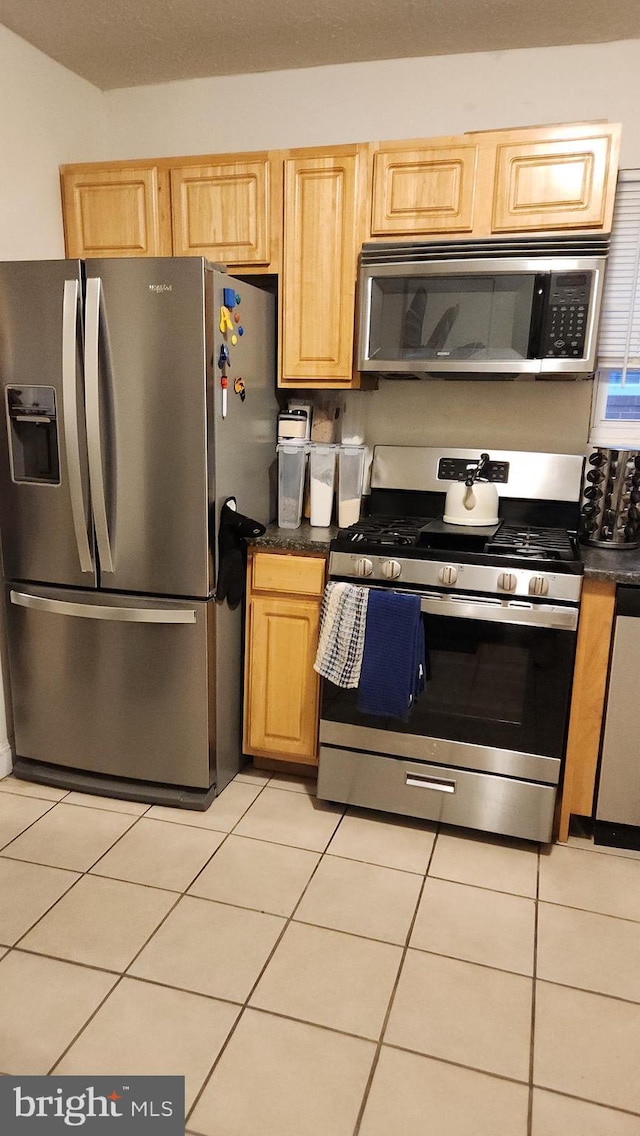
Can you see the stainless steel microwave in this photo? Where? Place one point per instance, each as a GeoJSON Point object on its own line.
{"type": "Point", "coordinates": [485, 309]}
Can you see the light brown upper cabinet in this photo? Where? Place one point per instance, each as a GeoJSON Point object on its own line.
{"type": "Point", "coordinates": [227, 210]}
{"type": "Point", "coordinates": [565, 178]}
{"type": "Point", "coordinates": [117, 210]}
{"type": "Point", "coordinates": [430, 189]}
{"type": "Point", "coordinates": [486, 183]}
{"type": "Point", "coordinates": [324, 208]}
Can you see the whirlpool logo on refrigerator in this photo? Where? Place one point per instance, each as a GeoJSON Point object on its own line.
{"type": "Point", "coordinates": [161, 287]}
{"type": "Point", "coordinates": [132, 1106]}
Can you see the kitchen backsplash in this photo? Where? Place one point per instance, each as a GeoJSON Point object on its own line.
{"type": "Point", "coordinates": [549, 417]}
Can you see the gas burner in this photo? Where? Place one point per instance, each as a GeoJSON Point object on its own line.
{"type": "Point", "coordinates": [383, 531]}
{"type": "Point", "coordinates": [535, 543]}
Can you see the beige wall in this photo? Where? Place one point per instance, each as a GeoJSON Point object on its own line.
{"type": "Point", "coordinates": [47, 116]}
{"type": "Point", "coordinates": [550, 417]}
{"type": "Point", "coordinates": [397, 98]}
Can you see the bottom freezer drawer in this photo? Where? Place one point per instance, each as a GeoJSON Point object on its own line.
{"type": "Point", "coordinates": [434, 792]}
{"type": "Point", "coordinates": [112, 684]}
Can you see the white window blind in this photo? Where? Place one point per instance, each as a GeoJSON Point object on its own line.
{"type": "Point", "coordinates": [619, 338]}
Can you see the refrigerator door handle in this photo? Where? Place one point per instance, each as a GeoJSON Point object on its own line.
{"type": "Point", "coordinates": [94, 441]}
{"type": "Point", "coordinates": [94, 611]}
{"type": "Point", "coordinates": [70, 422]}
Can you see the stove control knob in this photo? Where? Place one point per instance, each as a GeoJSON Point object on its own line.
{"type": "Point", "coordinates": [448, 574]}
{"type": "Point", "coordinates": [538, 586]}
{"type": "Point", "coordinates": [391, 569]}
{"type": "Point", "coordinates": [363, 566]}
{"type": "Point", "coordinates": [507, 581]}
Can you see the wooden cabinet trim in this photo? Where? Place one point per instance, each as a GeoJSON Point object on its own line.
{"type": "Point", "coordinates": [320, 247]}
{"type": "Point", "coordinates": [547, 185]}
{"type": "Point", "coordinates": [281, 689]}
{"type": "Point", "coordinates": [288, 573]}
{"type": "Point", "coordinates": [588, 699]}
{"type": "Point", "coordinates": [222, 211]}
{"type": "Point", "coordinates": [116, 212]}
{"type": "Point", "coordinates": [431, 189]}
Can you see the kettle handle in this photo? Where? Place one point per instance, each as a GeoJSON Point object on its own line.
{"type": "Point", "coordinates": [476, 474]}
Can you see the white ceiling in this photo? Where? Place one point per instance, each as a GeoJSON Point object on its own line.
{"type": "Point", "coordinates": [128, 43]}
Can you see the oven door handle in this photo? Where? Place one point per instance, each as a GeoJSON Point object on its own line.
{"type": "Point", "coordinates": [542, 615]}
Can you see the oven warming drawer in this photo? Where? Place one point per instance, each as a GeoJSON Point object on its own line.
{"type": "Point", "coordinates": [483, 801]}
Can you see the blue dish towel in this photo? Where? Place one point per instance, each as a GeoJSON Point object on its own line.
{"type": "Point", "coordinates": [393, 663]}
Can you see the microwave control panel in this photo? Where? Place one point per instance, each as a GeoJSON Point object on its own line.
{"type": "Point", "coordinates": [565, 322]}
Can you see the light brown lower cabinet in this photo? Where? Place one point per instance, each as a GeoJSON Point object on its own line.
{"type": "Point", "coordinates": [282, 690]}
{"type": "Point", "coordinates": [587, 700]}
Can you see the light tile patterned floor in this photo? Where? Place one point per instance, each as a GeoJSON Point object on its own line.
{"type": "Point", "coordinates": [316, 972]}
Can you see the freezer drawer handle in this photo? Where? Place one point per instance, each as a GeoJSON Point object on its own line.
{"type": "Point", "coordinates": [70, 419]}
{"type": "Point", "coordinates": [418, 781]}
{"type": "Point", "coordinates": [113, 614]}
{"type": "Point", "coordinates": [94, 441]}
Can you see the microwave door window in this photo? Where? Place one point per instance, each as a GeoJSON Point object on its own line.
{"type": "Point", "coordinates": [451, 318]}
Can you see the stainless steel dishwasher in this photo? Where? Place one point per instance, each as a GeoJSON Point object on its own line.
{"type": "Point", "coordinates": [617, 819]}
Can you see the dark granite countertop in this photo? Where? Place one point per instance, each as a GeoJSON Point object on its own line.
{"type": "Point", "coordinates": [619, 567]}
{"type": "Point", "coordinates": [616, 565]}
{"type": "Point", "coordinates": [303, 539]}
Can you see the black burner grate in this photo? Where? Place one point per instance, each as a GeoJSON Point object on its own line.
{"type": "Point", "coordinates": [382, 530]}
{"type": "Point", "coordinates": [525, 540]}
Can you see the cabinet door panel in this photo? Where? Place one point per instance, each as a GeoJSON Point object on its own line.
{"type": "Point", "coordinates": [319, 268]}
{"type": "Point", "coordinates": [552, 185]}
{"type": "Point", "coordinates": [114, 212]}
{"type": "Point", "coordinates": [282, 688]}
{"type": "Point", "coordinates": [423, 191]}
{"type": "Point", "coordinates": [295, 575]}
{"type": "Point", "coordinates": [221, 211]}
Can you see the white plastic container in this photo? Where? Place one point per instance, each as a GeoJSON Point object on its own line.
{"type": "Point", "coordinates": [292, 457]}
{"type": "Point", "coordinates": [351, 471]}
{"type": "Point", "coordinates": [322, 472]}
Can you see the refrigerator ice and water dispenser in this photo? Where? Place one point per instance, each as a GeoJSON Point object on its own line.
{"type": "Point", "coordinates": [33, 434]}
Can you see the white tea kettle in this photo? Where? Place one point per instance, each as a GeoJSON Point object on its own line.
{"type": "Point", "coordinates": [472, 502]}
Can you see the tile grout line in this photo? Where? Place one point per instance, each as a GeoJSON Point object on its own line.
{"type": "Point", "coordinates": [52, 805]}
{"type": "Point", "coordinates": [533, 1001]}
{"type": "Point", "coordinates": [378, 1051]}
{"type": "Point", "coordinates": [326, 852]}
{"type": "Point", "coordinates": [124, 974]}
{"type": "Point", "coordinates": [246, 1003]}
{"type": "Point", "coordinates": [84, 1025]}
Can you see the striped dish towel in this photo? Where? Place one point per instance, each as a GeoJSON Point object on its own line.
{"type": "Point", "coordinates": [342, 628]}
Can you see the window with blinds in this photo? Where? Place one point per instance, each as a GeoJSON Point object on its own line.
{"type": "Point", "coordinates": [616, 405]}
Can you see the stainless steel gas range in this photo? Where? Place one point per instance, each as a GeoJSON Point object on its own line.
{"type": "Point", "coordinates": [484, 743]}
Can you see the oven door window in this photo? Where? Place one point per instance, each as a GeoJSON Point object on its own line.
{"type": "Point", "coordinates": [489, 684]}
{"type": "Point", "coordinates": [451, 318]}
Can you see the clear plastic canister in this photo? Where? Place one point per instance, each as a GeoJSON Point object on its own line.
{"type": "Point", "coordinates": [351, 470]}
{"type": "Point", "coordinates": [322, 471]}
{"type": "Point", "coordinates": [292, 457]}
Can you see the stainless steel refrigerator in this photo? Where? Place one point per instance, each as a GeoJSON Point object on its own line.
{"type": "Point", "coordinates": [118, 447]}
